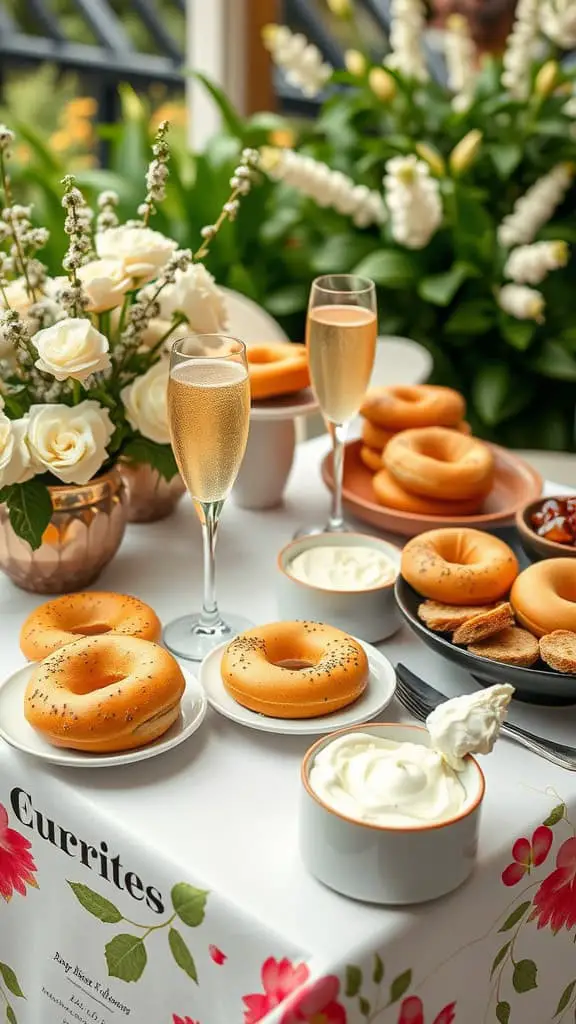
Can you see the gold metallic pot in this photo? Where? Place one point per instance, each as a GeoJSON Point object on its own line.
{"type": "Point", "coordinates": [84, 534]}
{"type": "Point", "coordinates": [150, 496]}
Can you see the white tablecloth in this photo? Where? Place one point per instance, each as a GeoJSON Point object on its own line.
{"type": "Point", "coordinates": [221, 810]}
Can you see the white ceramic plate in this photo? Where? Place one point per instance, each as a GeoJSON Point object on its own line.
{"type": "Point", "coordinates": [15, 729]}
{"type": "Point", "coordinates": [376, 697]}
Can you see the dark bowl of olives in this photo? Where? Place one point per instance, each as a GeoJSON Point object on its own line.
{"type": "Point", "coordinates": [547, 527]}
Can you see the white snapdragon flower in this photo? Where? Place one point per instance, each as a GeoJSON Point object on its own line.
{"type": "Point", "coordinates": [407, 23]}
{"type": "Point", "coordinates": [143, 252]}
{"type": "Point", "coordinates": [413, 199]}
{"type": "Point", "coordinates": [328, 188]}
{"type": "Point", "coordinates": [520, 49]}
{"type": "Point", "coordinates": [15, 462]}
{"type": "Point", "coordinates": [535, 207]}
{"type": "Point", "coordinates": [146, 403]}
{"type": "Point", "coordinates": [195, 294]}
{"type": "Point", "coordinates": [522, 302]}
{"type": "Point", "coordinates": [460, 51]}
{"type": "Point", "coordinates": [300, 60]}
{"type": "Point", "coordinates": [558, 22]}
{"type": "Point", "coordinates": [69, 441]}
{"type": "Point", "coordinates": [71, 348]}
{"type": "Point", "coordinates": [531, 264]}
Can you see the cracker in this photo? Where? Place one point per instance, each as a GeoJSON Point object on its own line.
{"type": "Point", "coordinates": [445, 618]}
{"type": "Point", "coordinates": [558, 649]}
{"type": "Point", "coordinates": [481, 626]}
{"type": "Point", "coordinates": [511, 646]}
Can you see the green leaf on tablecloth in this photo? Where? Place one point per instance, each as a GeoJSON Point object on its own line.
{"type": "Point", "coordinates": [353, 981]}
{"type": "Point", "coordinates": [10, 980]}
{"type": "Point", "coordinates": [515, 916]}
{"type": "Point", "coordinates": [365, 1007]}
{"type": "Point", "coordinates": [556, 815]}
{"type": "Point", "coordinates": [378, 972]}
{"type": "Point", "coordinates": [503, 1012]}
{"type": "Point", "coordinates": [524, 977]}
{"type": "Point", "coordinates": [126, 957]}
{"type": "Point", "coordinates": [189, 903]}
{"type": "Point", "coordinates": [400, 985]}
{"type": "Point", "coordinates": [10, 1015]}
{"type": "Point", "coordinates": [565, 998]}
{"type": "Point", "coordinates": [182, 954]}
{"type": "Point", "coordinates": [96, 904]}
{"type": "Point", "coordinates": [500, 956]}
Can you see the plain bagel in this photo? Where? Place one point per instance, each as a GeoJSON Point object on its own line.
{"type": "Point", "coordinates": [544, 596]}
{"type": "Point", "coordinates": [439, 463]}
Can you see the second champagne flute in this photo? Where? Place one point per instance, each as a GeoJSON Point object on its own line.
{"type": "Point", "coordinates": [341, 339]}
{"type": "Point", "coordinates": [209, 416]}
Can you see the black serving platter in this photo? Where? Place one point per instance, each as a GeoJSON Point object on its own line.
{"type": "Point", "coordinates": [537, 685]}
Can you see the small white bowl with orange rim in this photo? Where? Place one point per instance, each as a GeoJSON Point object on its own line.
{"type": "Point", "coordinates": [386, 864]}
{"type": "Point", "coordinates": [368, 613]}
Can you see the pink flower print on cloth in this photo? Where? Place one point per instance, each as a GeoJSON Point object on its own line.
{"type": "Point", "coordinates": [217, 955]}
{"type": "Point", "coordinates": [279, 979]}
{"type": "Point", "coordinates": [183, 1020]}
{"type": "Point", "coordinates": [412, 1012]}
{"type": "Point", "coordinates": [17, 865]}
{"type": "Point", "coordinates": [555, 900]}
{"type": "Point", "coordinates": [317, 1004]}
{"type": "Point", "coordinates": [528, 854]}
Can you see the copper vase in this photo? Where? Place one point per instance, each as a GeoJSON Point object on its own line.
{"type": "Point", "coordinates": [84, 534]}
{"type": "Point", "coordinates": [150, 496]}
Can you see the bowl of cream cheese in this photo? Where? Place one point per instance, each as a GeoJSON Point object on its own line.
{"type": "Point", "coordinates": [346, 580]}
{"type": "Point", "coordinates": [385, 817]}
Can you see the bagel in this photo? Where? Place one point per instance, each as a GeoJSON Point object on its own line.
{"type": "Point", "coordinates": [104, 694]}
{"type": "Point", "coordinates": [389, 492]}
{"type": "Point", "coordinates": [91, 613]}
{"type": "Point", "coordinates": [371, 458]}
{"type": "Point", "coordinates": [294, 669]}
{"type": "Point", "coordinates": [544, 596]}
{"type": "Point", "coordinates": [404, 407]}
{"type": "Point", "coordinates": [439, 463]}
{"type": "Point", "coordinates": [459, 566]}
{"type": "Point", "coordinates": [277, 368]}
{"type": "Point", "coordinates": [375, 437]}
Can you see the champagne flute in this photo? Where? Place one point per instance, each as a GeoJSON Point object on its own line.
{"type": "Point", "coordinates": [209, 415]}
{"type": "Point", "coordinates": [341, 340]}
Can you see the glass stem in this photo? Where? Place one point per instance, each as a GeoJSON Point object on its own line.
{"type": "Point", "coordinates": [338, 433]}
{"type": "Point", "coordinates": [210, 616]}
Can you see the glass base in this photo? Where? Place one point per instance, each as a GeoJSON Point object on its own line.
{"type": "Point", "coordinates": [186, 638]}
{"type": "Point", "coordinates": [313, 531]}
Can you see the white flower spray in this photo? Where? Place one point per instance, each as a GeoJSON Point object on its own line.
{"type": "Point", "coordinates": [461, 55]}
{"type": "Point", "coordinates": [531, 264]}
{"type": "Point", "coordinates": [413, 200]}
{"type": "Point", "coordinates": [558, 22]}
{"type": "Point", "coordinates": [326, 187]}
{"type": "Point", "coordinates": [520, 48]}
{"type": "Point", "coordinates": [407, 22]}
{"type": "Point", "coordinates": [521, 302]}
{"type": "Point", "coordinates": [535, 207]}
{"type": "Point", "coordinates": [301, 61]}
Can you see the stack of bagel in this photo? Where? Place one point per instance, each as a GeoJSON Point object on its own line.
{"type": "Point", "coordinates": [417, 443]}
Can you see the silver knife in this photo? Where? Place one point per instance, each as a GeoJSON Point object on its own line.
{"type": "Point", "coordinates": [557, 753]}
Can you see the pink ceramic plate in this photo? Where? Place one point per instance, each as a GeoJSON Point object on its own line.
{"type": "Point", "coordinates": [515, 484]}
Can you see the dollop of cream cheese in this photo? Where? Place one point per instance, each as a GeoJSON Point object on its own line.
{"type": "Point", "coordinates": [469, 724]}
{"type": "Point", "coordinates": [386, 783]}
{"type": "Point", "coordinates": [343, 568]}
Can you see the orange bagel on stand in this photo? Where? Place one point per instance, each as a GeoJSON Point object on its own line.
{"type": "Point", "coordinates": [294, 669]}
{"type": "Point", "coordinates": [404, 407]}
{"type": "Point", "coordinates": [389, 493]}
{"type": "Point", "coordinates": [439, 463]}
{"type": "Point", "coordinates": [544, 596]}
{"type": "Point", "coordinates": [277, 368]}
{"type": "Point", "coordinates": [459, 566]}
{"type": "Point", "coordinates": [60, 622]}
{"type": "Point", "coordinates": [104, 694]}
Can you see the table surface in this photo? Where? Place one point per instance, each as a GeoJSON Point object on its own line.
{"type": "Point", "coordinates": [226, 801]}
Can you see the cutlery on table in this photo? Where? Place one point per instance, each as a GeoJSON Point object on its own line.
{"type": "Point", "coordinates": [420, 699]}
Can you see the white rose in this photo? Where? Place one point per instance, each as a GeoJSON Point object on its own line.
{"type": "Point", "coordinates": [105, 282]}
{"type": "Point", "coordinates": [17, 297]}
{"type": "Point", "coordinates": [71, 348]}
{"type": "Point", "coordinates": [146, 403]}
{"type": "Point", "coordinates": [143, 252]}
{"type": "Point", "coordinates": [158, 329]}
{"type": "Point", "coordinates": [196, 296]}
{"type": "Point", "coordinates": [69, 441]}
{"type": "Point", "coordinates": [15, 465]}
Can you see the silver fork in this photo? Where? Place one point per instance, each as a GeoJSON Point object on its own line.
{"type": "Point", "coordinates": [557, 753]}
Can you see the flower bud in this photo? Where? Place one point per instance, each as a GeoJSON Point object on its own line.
{"type": "Point", "coordinates": [546, 79]}
{"type": "Point", "coordinates": [465, 151]}
{"type": "Point", "coordinates": [341, 8]}
{"type": "Point", "coordinates": [355, 63]}
{"type": "Point", "coordinates": [432, 157]}
{"type": "Point", "coordinates": [382, 84]}
{"type": "Point", "coordinates": [269, 158]}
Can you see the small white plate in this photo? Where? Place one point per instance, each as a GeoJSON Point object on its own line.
{"type": "Point", "coordinates": [376, 697]}
{"type": "Point", "coordinates": [18, 733]}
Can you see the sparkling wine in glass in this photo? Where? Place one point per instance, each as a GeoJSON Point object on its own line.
{"type": "Point", "coordinates": [209, 415]}
{"type": "Point", "coordinates": [341, 339]}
